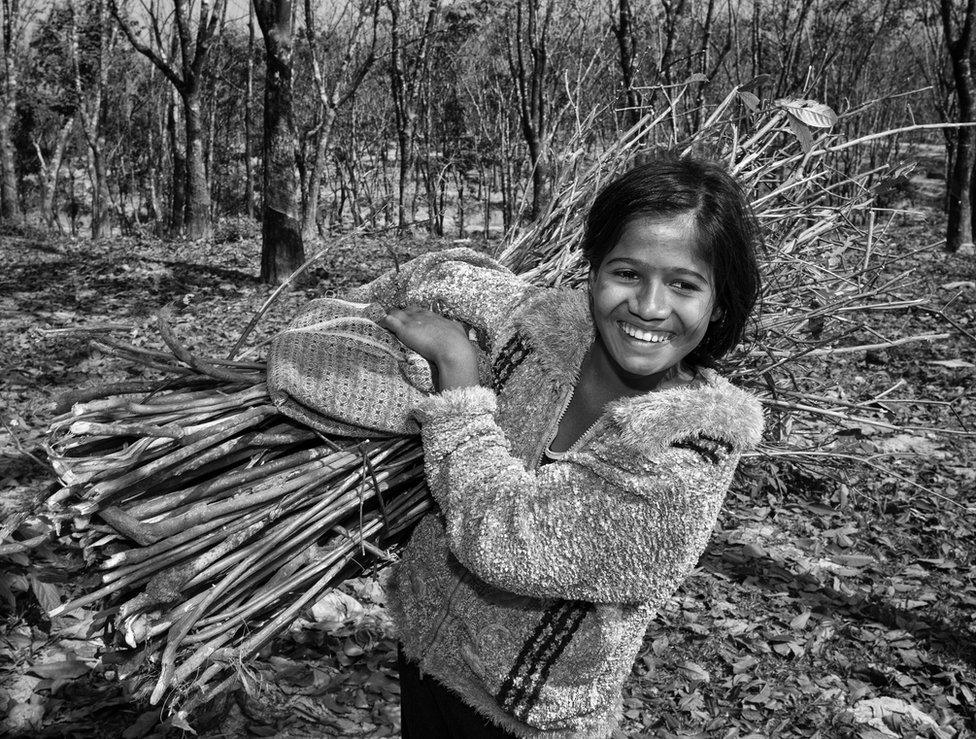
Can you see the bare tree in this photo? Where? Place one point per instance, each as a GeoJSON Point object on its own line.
{"type": "Point", "coordinates": [13, 41]}
{"type": "Point", "coordinates": [528, 60]}
{"type": "Point", "coordinates": [672, 12]}
{"type": "Point", "coordinates": [958, 34]}
{"type": "Point", "coordinates": [52, 111]}
{"type": "Point", "coordinates": [408, 66]}
{"type": "Point", "coordinates": [50, 168]}
{"type": "Point", "coordinates": [91, 111]}
{"type": "Point", "coordinates": [334, 90]}
{"type": "Point", "coordinates": [193, 45]}
{"type": "Point", "coordinates": [248, 108]}
{"type": "Point", "coordinates": [623, 29]}
{"type": "Point", "coordinates": [282, 250]}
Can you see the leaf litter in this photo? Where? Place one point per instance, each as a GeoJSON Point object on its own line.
{"type": "Point", "coordinates": [819, 608]}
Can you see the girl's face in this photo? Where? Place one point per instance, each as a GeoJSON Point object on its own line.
{"type": "Point", "coordinates": [652, 297]}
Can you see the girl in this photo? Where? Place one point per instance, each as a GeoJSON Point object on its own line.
{"type": "Point", "coordinates": [578, 481]}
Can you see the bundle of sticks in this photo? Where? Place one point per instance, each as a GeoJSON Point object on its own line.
{"type": "Point", "coordinates": [240, 517]}
{"type": "Point", "coordinates": [214, 521]}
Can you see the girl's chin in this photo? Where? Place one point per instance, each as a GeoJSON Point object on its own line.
{"type": "Point", "coordinates": [640, 367]}
{"type": "Point", "coordinates": [644, 372]}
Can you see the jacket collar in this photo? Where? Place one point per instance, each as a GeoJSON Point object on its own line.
{"type": "Point", "coordinates": [559, 328]}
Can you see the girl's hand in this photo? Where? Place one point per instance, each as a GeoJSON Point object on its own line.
{"type": "Point", "coordinates": [441, 341]}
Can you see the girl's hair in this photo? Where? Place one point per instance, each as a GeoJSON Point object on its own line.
{"type": "Point", "coordinates": [727, 234]}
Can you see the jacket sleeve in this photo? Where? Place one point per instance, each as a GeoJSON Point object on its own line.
{"type": "Point", "coordinates": [598, 527]}
{"type": "Point", "coordinates": [459, 283]}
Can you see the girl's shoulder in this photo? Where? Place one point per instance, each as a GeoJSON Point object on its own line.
{"type": "Point", "coordinates": [710, 406]}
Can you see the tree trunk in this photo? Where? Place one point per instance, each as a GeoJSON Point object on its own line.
{"type": "Point", "coordinates": [403, 115]}
{"type": "Point", "coordinates": [282, 250]}
{"type": "Point", "coordinates": [178, 158]}
{"type": "Point", "coordinates": [540, 175]}
{"type": "Point", "coordinates": [333, 91]}
{"type": "Point", "coordinates": [192, 48]}
{"type": "Point", "coordinates": [11, 54]}
{"type": "Point", "coordinates": [624, 31]}
{"type": "Point", "coordinates": [248, 112]}
{"type": "Point", "coordinates": [50, 172]}
{"type": "Point", "coordinates": [320, 160]}
{"type": "Point", "coordinates": [528, 60]}
{"type": "Point", "coordinates": [198, 224]}
{"type": "Point", "coordinates": [100, 195]}
{"type": "Point", "coordinates": [91, 112]}
{"type": "Point", "coordinates": [959, 230]}
{"type": "Point", "coordinates": [406, 76]}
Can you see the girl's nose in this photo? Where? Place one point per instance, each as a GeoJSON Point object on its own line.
{"type": "Point", "coordinates": [650, 302]}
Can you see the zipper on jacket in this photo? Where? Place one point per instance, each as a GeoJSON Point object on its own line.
{"type": "Point", "coordinates": [567, 398]}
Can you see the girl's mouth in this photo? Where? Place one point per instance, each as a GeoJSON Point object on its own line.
{"type": "Point", "coordinates": [647, 337]}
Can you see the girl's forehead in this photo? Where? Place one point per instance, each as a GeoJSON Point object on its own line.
{"type": "Point", "coordinates": [655, 239]}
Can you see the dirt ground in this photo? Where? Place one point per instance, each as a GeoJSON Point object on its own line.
{"type": "Point", "coordinates": [820, 609]}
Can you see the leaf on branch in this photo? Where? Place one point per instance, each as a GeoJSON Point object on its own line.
{"type": "Point", "coordinates": [757, 81]}
{"type": "Point", "coordinates": [809, 112]}
{"type": "Point", "coordinates": [802, 133]}
{"type": "Point", "coordinates": [696, 77]}
{"type": "Point", "coordinates": [750, 100]}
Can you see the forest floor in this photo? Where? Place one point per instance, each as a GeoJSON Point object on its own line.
{"type": "Point", "coordinates": [818, 610]}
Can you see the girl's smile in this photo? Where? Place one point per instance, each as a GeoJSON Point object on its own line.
{"type": "Point", "coordinates": [652, 299]}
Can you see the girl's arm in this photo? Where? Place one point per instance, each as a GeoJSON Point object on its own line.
{"type": "Point", "coordinates": [612, 526]}
{"type": "Point", "coordinates": [460, 284]}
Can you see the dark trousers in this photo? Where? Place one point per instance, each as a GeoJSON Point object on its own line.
{"type": "Point", "coordinates": [428, 710]}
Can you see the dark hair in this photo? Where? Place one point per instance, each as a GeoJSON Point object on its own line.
{"type": "Point", "coordinates": [727, 234]}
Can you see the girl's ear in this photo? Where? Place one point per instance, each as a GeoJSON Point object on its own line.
{"type": "Point", "coordinates": [717, 313]}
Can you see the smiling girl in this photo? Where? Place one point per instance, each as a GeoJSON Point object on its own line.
{"type": "Point", "coordinates": [578, 480]}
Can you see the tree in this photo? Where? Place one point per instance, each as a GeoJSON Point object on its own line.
{"type": "Point", "coordinates": [90, 86]}
{"type": "Point", "coordinates": [623, 29]}
{"type": "Point", "coordinates": [49, 105]}
{"type": "Point", "coordinates": [958, 34]}
{"type": "Point", "coordinates": [334, 90]}
{"type": "Point", "coordinates": [15, 22]}
{"type": "Point", "coordinates": [282, 249]}
{"type": "Point", "coordinates": [528, 59]}
{"type": "Point", "coordinates": [248, 108]}
{"type": "Point", "coordinates": [193, 47]}
{"type": "Point", "coordinates": [409, 58]}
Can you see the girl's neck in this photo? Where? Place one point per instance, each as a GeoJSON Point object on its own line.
{"type": "Point", "coordinates": [601, 375]}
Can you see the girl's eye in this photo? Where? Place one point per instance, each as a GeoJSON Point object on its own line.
{"type": "Point", "coordinates": [685, 286]}
{"type": "Point", "coordinates": [626, 274]}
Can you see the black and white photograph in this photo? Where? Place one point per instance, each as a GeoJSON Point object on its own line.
{"type": "Point", "coordinates": [472, 369]}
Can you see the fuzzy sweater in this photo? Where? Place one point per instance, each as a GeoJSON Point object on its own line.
{"type": "Point", "coordinates": [530, 590]}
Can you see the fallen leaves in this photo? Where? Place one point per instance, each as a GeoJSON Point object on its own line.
{"type": "Point", "coordinates": [888, 715]}
{"type": "Point", "coordinates": [815, 601]}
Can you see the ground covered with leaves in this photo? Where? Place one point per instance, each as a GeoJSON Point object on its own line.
{"type": "Point", "coordinates": [828, 605]}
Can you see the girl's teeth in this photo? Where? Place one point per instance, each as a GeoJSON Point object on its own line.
{"type": "Point", "coordinates": [649, 336]}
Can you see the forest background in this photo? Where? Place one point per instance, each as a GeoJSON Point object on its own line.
{"type": "Point", "coordinates": [173, 118]}
{"type": "Point", "coordinates": [197, 153]}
